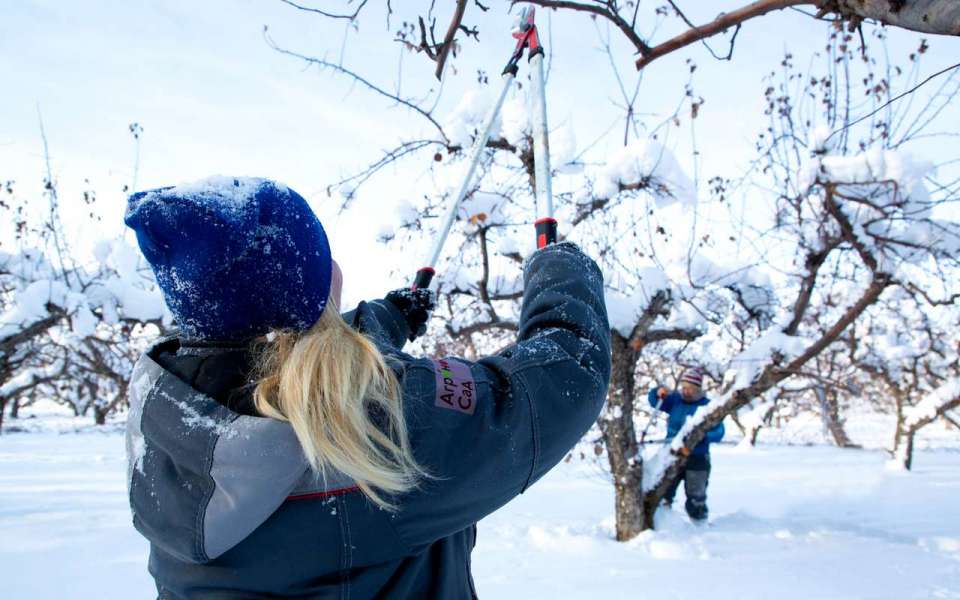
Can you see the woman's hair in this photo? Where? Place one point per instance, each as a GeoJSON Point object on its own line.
{"type": "Point", "coordinates": [343, 401]}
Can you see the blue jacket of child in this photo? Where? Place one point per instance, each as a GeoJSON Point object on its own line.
{"type": "Point", "coordinates": [679, 409]}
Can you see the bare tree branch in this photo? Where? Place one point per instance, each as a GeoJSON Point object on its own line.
{"type": "Point", "coordinates": [448, 39]}
{"type": "Point", "coordinates": [493, 297]}
{"type": "Point", "coordinates": [815, 260]}
{"type": "Point", "coordinates": [480, 327]}
{"type": "Point", "coordinates": [424, 44]}
{"type": "Point", "coordinates": [9, 344]}
{"type": "Point", "coordinates": [733, 38]}
{"type": "Point", "coordinates": [847, 228]}
{"type": "Point", "coordinates": [659, 306]}
{"type": "Point", "coordinates": [324, 13]}
{"type": "Point", "coordinates": [894, 99]}
{"type": "Point", "coordinates": [485, 277]}
{"type": "Point", "coordinates": [361, 80]}
{"type": "Point", "coordinates": [675, 333]}
{"type": "Point", "coordinates": [389, 156]}
{"type": "Point", "coordinates": [915, 289]}
{"type": "Point", "coordinates": [718, 25]}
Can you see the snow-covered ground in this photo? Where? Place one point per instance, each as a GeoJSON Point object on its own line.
{"type": "Point", "coordinates": [787, 522]}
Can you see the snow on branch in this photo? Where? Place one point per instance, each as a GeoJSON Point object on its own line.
{"type": "Point", "coordinates": [40, 298]}
{"type": "Point", "coordinates": [32, 377]}
{"type": "Point", "coordinates": [939, 401]}
{"type": "Point", "coordinates": [646, 164]}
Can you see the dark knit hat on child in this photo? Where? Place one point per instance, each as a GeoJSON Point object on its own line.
{"type": "Point", "coordinates": [235, 257]}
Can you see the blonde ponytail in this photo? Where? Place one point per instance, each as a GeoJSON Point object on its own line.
{"type": "Point", "coordinates": [343, 401]}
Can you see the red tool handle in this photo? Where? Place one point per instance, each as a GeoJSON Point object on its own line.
{"type": "Point", "coordinates": [546, 231]}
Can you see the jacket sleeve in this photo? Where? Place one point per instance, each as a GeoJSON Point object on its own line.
{"type": "Point", "coordinates": [380, 320]}
{"type": "Point", "coordinates": [716, 433]}
{"type": "Point", "coordinates": [486, 430]}
{"type": "Point", "coordinates": [652, 397]}
{"type": "Point", "coordinates": [665, 405]}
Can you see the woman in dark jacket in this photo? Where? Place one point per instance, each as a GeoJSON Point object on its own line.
{"type": "Point", "coordinates": [279, 449]}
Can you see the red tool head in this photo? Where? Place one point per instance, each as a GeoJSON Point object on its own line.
{"type": "Point", "coordinates": [525, 32]}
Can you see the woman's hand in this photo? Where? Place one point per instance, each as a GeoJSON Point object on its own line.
{"type": "Point", "coordinates": [416, 307]}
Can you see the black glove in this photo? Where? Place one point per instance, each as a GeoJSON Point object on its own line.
{"type": "Point", "coordinates": [416, 306]}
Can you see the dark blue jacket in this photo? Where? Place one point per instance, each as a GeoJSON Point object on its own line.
{"type": "Point", "coordinates": [679, 409]}
{"type": "Point", "coordinates": [232, 511]}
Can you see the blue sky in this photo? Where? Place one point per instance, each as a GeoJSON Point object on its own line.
{"type": "Point", "coordinates": [213, 98]}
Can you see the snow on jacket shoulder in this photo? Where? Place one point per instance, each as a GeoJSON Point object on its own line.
{"type": "Point", "coordinates": [232, 511]}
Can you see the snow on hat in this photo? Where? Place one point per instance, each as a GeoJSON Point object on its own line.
{"type": "Point", "coordinates": [693, 375]}
{"type": "Point", "coordinates": [234, 256]}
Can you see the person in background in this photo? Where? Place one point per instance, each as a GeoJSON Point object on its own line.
{"type": "Point", "coordinates": [696, 472]}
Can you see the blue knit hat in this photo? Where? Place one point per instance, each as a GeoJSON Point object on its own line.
{"type": "Point", "coordinates": [235, 256]}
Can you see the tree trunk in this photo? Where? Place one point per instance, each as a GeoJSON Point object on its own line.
{"type": "Point", "coordinates": [904, 435]}
{"type": "Point", "coordinates": [951, 423]}
{"type": "Point", "coordinates": [903, 451]}
{"type": "Point", "coordinates": [15, 408]}
{"type": "Point", "coordinates": [898, 433]}
{"type": "Point", "coordinates": [620, 438]}
{"type": "Point", "coordinates": [830, 413]}
{"type": "Point", "coordinates": [763, 421]}
{"type": "Point", "coordinates": [949, 399]}
{"type": "Point", "coordinates": [735, 417]}
{"type": "Point", "coordinates": [927, 16]}
{"type": "Point", "coordinates": [3, 408]}
{"type": "Point", "coordinates": [101, 412]}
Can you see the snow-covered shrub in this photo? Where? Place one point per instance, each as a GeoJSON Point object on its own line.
{"type": "Point", "coordinates": [71, 326]}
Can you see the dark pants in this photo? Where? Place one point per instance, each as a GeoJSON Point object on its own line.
{"type": "Point", "coordinates": [695, 476]}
